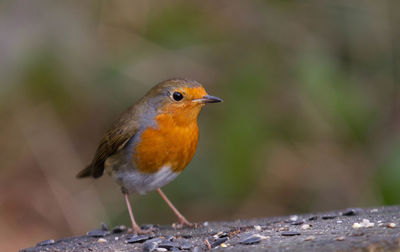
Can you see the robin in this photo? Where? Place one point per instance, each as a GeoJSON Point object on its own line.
{"type": "Point", "coordinates": [153, 141]}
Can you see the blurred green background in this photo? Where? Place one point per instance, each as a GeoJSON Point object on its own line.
{"type": "Point", "coordinates": [310, 120]}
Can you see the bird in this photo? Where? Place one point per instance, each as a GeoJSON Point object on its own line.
{"type": "Point", "coordinates": [152, 142]}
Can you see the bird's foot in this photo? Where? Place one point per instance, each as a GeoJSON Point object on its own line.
{"type": "Point", "coordinates": [185, 223]}
{"type": "Point", "coordinates": [139, 231]}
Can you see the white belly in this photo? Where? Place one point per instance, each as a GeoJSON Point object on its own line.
{"type": "Point", "coordinates": [136, 182]}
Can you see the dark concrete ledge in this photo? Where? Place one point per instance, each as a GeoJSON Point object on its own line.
{"type": "Point", "coordinates": [354, 229]}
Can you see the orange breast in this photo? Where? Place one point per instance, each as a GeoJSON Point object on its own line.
{"type": "Point", "coordinates": [168, 144]}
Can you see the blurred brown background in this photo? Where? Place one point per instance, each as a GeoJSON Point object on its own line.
{"type": "Point", "coordinates": [310, 120]}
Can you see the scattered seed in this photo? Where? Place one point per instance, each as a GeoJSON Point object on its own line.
{"type": "Point", "coordinates": [310, 238]}
{"type": "Point", "coordinates": [169, 238]}
{"type": "Point", "coordinates": [161, 249]}
{"type": "Point", "coordinates": [101, 240]}
{"type": "Point", "coordinates": [305, 226]}
{"type": "Point", "coordinates": [375, 210]}
{"type": "Point", "coordinates": [233, 232]}
{"type": "Point", "coordinates": [104, 226]}
{"type": "Point", "coordinates": [205, 223]}
{"type": "Point", "coordinates": [45, 243]}
{"type": "Point", "coordinates": [156, 240]}
{"type": "Point", "coordinates": [257, 227]}
{"type": "Point", "coordinates": [340, 238]}
{"type": "Point", "coordinates": [296, 223]}
{"type": "Point", "coordinates": [339, 221]}
{"type": "Point", "coordinates": [150, 246]}
{"type": "Point", "coordinates": [223, 245]}
{"type": "Point", "coordinates": [116, 238]}
{"type": "Point", "coordinates": [216, 236]}
{"type": "Point", "coordinates": [365, 223]}
{"type": "Point", "coordinates": [139, 238]}
{"type": "Point", "coordinates": [283, 229]}
{"type": "Point", "coordinates": [351, 211]}
{"type": "Point", "coordinates": [329, 216]}
{"type": "Point", "coordinates": [294, 218]}
{"type": "Point", "coordinates": [119, 229]}
{"type": "Point", "coordinates": [185, 245]}
{"type": "Point", "coordinates": [252, 239]}
{"type": "Point", "coordinates": [168, 244]}
{"type": "Point", "coordinates": [97, 233]}
{"type": "Point", "coordinates": [207, 244]}
{"type": "Point", "coordinates": [290, 233]}
{"type": "Point", "coordinates": [218, 242]}
{"type": "Point", "coordinates": [220, 235]}
{"type": "Point", "coordinates": [391, 225]}
{"type": "Point", "coordinates": [197, 249]}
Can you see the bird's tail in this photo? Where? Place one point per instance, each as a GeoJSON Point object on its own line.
{"type": "Point", "coordinates": [87, 172]}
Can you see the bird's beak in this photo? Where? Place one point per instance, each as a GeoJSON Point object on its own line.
{"type": "Point", "coordinates": [208, 99]}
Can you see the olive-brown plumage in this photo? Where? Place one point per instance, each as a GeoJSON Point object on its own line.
{"type": "Point", "coordinates": [153, 140]}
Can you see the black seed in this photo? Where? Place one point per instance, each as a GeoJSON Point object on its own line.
{"type": "Point", "coordinates": [150, 246]}
{"type": "Point", "coordinates": [219, 242]}
{"type": "Point", "coordinates": [169, 238]}
{"type": "Point", "coordinates": [119, 229]}
{"type": "Point", "coordinates": [312, 218]}
{"type": "Point", "coordinates": [156, 240]}
{"type": "Point", "coordinates": [290, 233]}
{"type": "Point", "coordinates": [197, 249]}
{"type": "Point", "coordinates": [329, 216]}
{"type": "Point", "coordinates": [252, 239]}
{"type": "Point", "coordinates": [139, 238]}
{"type": "Point", "coordinates": [296, 223]}
{"type": "Point", "coordinates": [351, 211]}
{"type": "Point", "coordinates": [45, 243]}
{"type": "Point", "coordinates": [185, 245]}
{"type": "Point", "coordinates": [104, 227]}
{"type": "Point", "coordinates": [97, 233]}
{"type": "Point", "coordinates": [168, 244]}
{"type": "Point", "coordinates": [224, 234]}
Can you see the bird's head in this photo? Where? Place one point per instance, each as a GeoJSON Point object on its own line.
{"type": "Point", "coordinates": [181, 98]}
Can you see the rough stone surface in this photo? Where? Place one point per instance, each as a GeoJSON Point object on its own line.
{"type": "Point", "coordinates": [329, 234]}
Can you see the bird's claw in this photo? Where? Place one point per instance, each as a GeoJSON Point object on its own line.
{"type": "Point", "coordinates": [185, 223]}
{"type": "Point", "coordinates": [139, 231]}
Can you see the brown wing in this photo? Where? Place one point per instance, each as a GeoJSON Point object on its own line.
{"type": "Point", "coordinates": [114, 140]}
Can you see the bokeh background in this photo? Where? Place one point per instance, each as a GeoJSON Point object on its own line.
{"type": "Point", "coordinates": [310, 120]}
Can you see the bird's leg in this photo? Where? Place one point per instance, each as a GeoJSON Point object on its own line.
{"type": "Point", "coordinates": [181, 218]}
{"type": "Point", "coordinates": [135, 227]}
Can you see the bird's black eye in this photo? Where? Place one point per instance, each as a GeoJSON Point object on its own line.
{"type": "Point", "coordinates": [177, 96]}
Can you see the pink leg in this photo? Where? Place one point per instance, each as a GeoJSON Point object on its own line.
{"type": "Point", "coordinates": [135, 226]}
{"type": "Point", "coordinates": [181, 218]}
